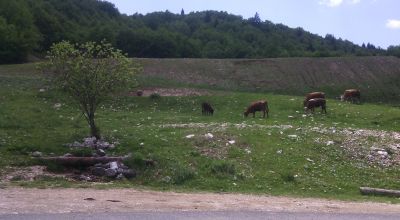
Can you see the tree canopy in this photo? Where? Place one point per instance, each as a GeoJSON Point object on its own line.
{"type": "Point", "coordinates": [32, 26]}
{"type": "Point", "coordinates": [89, 73]}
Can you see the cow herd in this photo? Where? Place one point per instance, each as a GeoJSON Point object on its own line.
{"type": "Point", "coordinates": [312, 100]}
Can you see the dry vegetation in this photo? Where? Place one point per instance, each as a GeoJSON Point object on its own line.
{"type": "Point", "coordinates": [377, 77]}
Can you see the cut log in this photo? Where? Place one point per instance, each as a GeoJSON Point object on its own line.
{"type": "Point", "coordinates": [381, 192]}
{"type": "Point", "coordinates": [81, 161]}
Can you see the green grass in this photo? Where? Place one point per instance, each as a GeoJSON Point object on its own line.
{"type": "Point", "coordinates": [263, 160]}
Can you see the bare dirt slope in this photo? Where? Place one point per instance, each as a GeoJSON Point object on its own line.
{"type": "Point", "coordinates": [18, 200]}
{"type": "Point", "coordinates": [377, 77]}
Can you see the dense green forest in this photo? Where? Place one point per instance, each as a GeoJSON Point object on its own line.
{"type": "Point", "coordinates": [30, 27]}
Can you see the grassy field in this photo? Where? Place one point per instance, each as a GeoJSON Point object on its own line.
{"type": "Point", "coordinates": [378, 78]}
{"type": "Point", "coordinates": [287, 154]}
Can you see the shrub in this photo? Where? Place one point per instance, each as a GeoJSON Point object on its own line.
{"type": "Point", "coordinates": [155, 96]}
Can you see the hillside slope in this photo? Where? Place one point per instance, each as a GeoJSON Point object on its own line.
{"type": "Point", "coordinates": [377, 77]}
{"type": "Point", "coordinates": [32, 26]}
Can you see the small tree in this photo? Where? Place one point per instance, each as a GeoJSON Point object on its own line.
{"type": "Point", "coordinates": [256, 20]}
{"type": "Point", "coordinates": [89, 73]}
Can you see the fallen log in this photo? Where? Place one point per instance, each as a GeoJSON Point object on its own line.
{"type": "Point", "coordinates": [81, 161]}
{"type": "Point", "coordinates": [381, 192]}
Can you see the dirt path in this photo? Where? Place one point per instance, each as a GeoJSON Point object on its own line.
{"type": "Point", "coordinates": [18, 200]}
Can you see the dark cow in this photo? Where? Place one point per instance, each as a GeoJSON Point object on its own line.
{"type": "Point", "coordinates": [313, 95]}
{"type": "Point", "coordinates": [261, 105]}
{"type": "Point", "coordinates": [351, 95]}
{"type": "Point", "coordinates": [315, 103]}
{"type": "Point", "coordinates": [206, 109]}
{"type": "Point", "coordinates": [139, 93]}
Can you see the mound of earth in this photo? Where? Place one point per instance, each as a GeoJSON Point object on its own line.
{"type": "Point", "coordinates": [171, 92]}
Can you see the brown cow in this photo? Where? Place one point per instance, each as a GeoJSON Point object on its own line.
{"type": "Point", "coordinates": [315, 103]}
{"type": "Point", "coordinates": [351, 95]}
{"type": "Point", "coordinates": [206, 109]}
{"type": "Point", "coordinates": [313, 95]}
{"type": "Point", "coordinates": [261, 105]}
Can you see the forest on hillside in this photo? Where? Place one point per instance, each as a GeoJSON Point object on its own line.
{"type": "Point", "coordinates": [30, 27]}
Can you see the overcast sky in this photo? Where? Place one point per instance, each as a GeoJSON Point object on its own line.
{"type": "Point", "coordinates": [360, 21]}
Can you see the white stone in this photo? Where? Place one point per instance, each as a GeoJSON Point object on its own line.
{"type": "Point", "coordinates": [209, 136]}
{"type": "Point", "coordinates": [190, 136]}
{"type": "Point", "coordinates": [114, 165]}
{"type": "Point", "coordinates": [329, 143]}
{"type": "Point", "coordinates": [37, 154]}
{"type": "Point", "coordinates": [383, 153]}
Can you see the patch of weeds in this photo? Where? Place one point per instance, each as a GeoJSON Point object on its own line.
{"type": "Point", "coordinates": [82, 152]}
{"type": "Point", "coordinates": [375, 122]}
{"type": "Point", "coordinates": [155, 96]}
{"type": "Point", "coordinates": [43, 181]}
{"type": "Point", "coordinates": [21, 149]}
{"type": "Point", "coordinates": [23, 162]}
{"type": "Point", "coordinates": [288, 177]}
{"type": "Point", "coordinates": [46, 178]}
{"type": "Point", "coordinates": [194, 154]}
{"type": "Point", "coordinates": [242, 175]}
{"type": "Point", "coordinates": [235, 152]}
{"type": "Point", "coordinates": [17, 178]}
{"type": "Point", "coordinates": [222, 168]}
{"type": "Point", "coordinates": [182, 174]}
{"type": "Point", "coordinates": [371, 139]}
{"type": "Point", "coordinates": [3, 186]}
{"type": "Point", "coordinates": [51, 166]}
{"type": "Point", "coordinates": [136, 161]}
{"type": "Point", "coordinates": [390, 151]}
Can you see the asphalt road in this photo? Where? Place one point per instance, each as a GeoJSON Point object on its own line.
{"type": "Point", "coordinates": [203, 215]}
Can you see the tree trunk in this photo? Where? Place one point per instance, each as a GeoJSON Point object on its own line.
{"type": "Point", "coordinates": [376, 191]}
{"type": "Point", "coordinates": [94, 131]}
{"type": "Point", "coordinates": [82, 161]}
{"type": "Point", "coordinates": [90, 161]}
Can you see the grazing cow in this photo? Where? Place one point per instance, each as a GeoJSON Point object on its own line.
{"type": "Point", "coordinates": [351, 95]}
{"type": "Point", "coordinates": [139, 93]}
{"type": "Point", "coordinates": [257, 106]}
{"type": "Point", "coordinates": [206, 109]}
{"type": "Point", "coordinates": [313, 95]}
{"type": "Point", "coordinates": [315, 103]}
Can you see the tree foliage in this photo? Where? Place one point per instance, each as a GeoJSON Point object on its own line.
{"type": "Point", "coordinates": [89, 73]}
{"type": "Point", "coordinates": [394, 51]}
{"type": "Point", "coordinates": [18, 34]}
{"type": "Point", "coordinates": [206, 34]}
